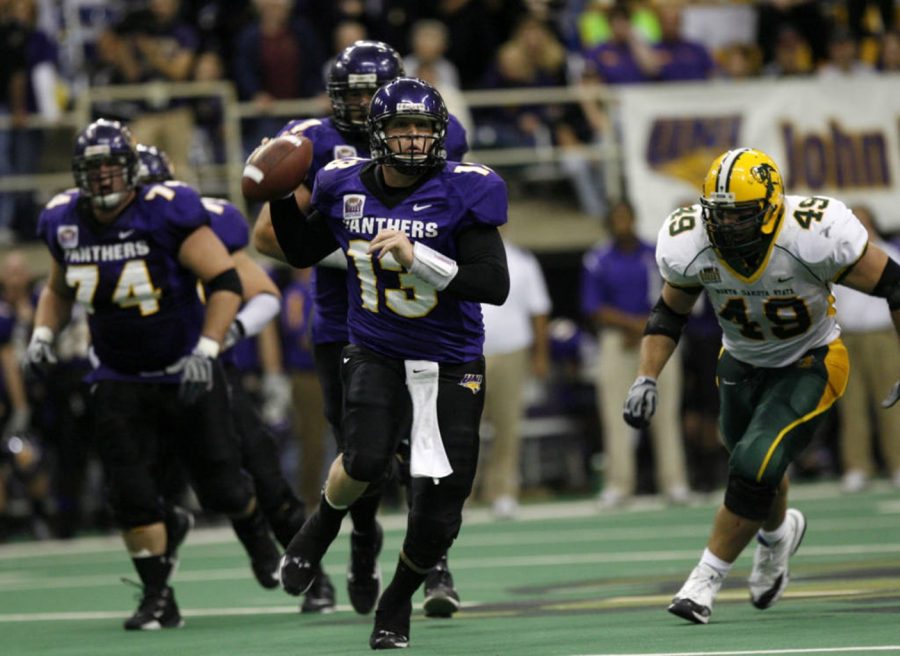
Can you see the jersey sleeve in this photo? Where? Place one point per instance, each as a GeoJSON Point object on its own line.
{"type": "Point", "coordinates": [52, 228]}
{"type": "Point", "coordinates": [326, 194]}
{"type": "Point", "coordinates": [485, 194]}
{"type": "Point", "coordinates": [835, 243]}
{"type": "Point", "coordinates": [675, 253]}
{"type": "Point", "coordinates": [182, 212]}
{"type": "Point", "coordinates": [228, 223]}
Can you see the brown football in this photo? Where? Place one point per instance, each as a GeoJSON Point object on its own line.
{"type": "Point", "coordinates": [276, 168]}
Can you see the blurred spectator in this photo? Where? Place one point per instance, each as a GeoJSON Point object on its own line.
{"type": "Point", "coordinates": [889, 53]}
{"type": "Point", "coordinates": [804, 16]}
{"type": "Point", "coordinates": [738, 61]}
{"type": "Point", "coordinates": [208, 145]}
{"type": "Point", "coordinates": [619, 284]}
{"type": "Point", "coordinates": [700, 342]}
{"type": "Point", "coordinates": [843, 57]}
{"type": "Point", "coordinates": [677, 58]}
{"type": "Point", "coordinates": [13, 106]}
{"type": "Point", "coordinates": [428, 39]}
{"type": "Point", "coordinates": [626, 57]}
{"type": "Point", "coordinates": [792, 55]}
{"type": "Point", "coordinates": [858, 11]}
{"type": "Point", "coordinates": [871, 342]}
{"type": "Point", "coordinates": [475, 29]}
{"type": "Point", "coordinates": [166, 47]}
{"type": "Point", "coordinates": [276, 57]}
{"type": "Point", "coordinates": [345, 34]}
{"type": "Point", "coordinates": [308, 417]}
{"type": "Point", "coordinates": [594, 23]}
{"type": "Point", "coordinates": [516, 349]}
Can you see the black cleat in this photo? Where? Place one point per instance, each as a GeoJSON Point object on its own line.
{"type": "Point", "coordinates": [296, 574]}
{"type": "Point", "coordinates": [385, 639]}
{"type": "Point", "coordinates": [320, 595]}
{"type": "Point", "coordinates": [363, 573]}
{"type": "Point", "coordinates": [441, 598]}
{"type": "Point", "coordinates": [157, 610]}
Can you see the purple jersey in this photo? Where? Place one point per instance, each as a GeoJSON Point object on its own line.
{"type": "Point", "coordinates": [295, 322]}
{"type": "Point", "coordinates": [393, 312]}
{"type": "Point", "coordinates": [626, 281]}
{"type": "Point", "coordinates": [330, 287]}
{"type": "Point", "coordinates": [144, 312]}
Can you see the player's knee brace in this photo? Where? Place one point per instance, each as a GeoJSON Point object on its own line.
{"type": "Point", "coordinates": [749, 499]}
{"type": "Point", "coordinates": [367, 467]}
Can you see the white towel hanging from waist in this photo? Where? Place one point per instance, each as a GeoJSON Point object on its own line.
{"type": "Point", "coordinates": [427, 456]}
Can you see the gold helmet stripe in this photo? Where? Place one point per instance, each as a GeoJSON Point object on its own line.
{"type": "Point", "coordinates": [726, 167]}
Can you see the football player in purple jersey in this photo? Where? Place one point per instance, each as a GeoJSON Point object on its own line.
{"type": "Point", "coordinates": [423, 251]}
{"type": "Point", "coordinates": [356, 74]}
{"type": "Point", "coordinates": [132, 256]}
{"type": "Point", "coordinates": [283, 511]}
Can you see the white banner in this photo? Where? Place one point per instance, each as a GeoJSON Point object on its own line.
{"type": "Point", "coordinates": [834, 138]}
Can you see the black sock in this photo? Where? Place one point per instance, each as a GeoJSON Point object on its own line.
{"type": "Point", "coordinates": [363, 512]}
{"type": "Point", "coordinates": [395, 605]}
{"type": "Point", "coordinates": [318, 532]}
{"type": "Point", "coordinates": [287, 520]}
{"type": "Point", "coordinates": [153, 571]}
{"type": "Point", "coordinates": [253, 532]}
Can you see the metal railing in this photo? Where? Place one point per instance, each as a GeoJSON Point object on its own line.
{"type": "Point", "coordinates": [234, 112]}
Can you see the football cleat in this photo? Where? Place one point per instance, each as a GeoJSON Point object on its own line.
{"type": "Point", "coordinates": [385, 639]}
{"type": "Point", "coordinates": [363, 573]}
{"type": "Point", "coordinates": [441, 598]}
{"type": "Point", "coordinates": [320, 595]}
{"type": "Point", "coordinates": [157, 610]}
{"type": "Point", "coordinates": [296, 574]}
{"type": "Point", "coordinates": [694, 601]}
{"type": "Point", "coordinates": [769, 576]}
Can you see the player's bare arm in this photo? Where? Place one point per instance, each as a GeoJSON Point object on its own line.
{"type": "Point", "coordinates": [254, 279]}
{"type": "Point", "coordinates": [206, 256]}
{"type": "Point", "coordinates": [55, 303]}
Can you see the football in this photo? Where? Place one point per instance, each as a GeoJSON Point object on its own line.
{"type": "Point", "coordinates": [276, 168]}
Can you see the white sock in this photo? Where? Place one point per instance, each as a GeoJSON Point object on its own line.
{"type": "Point", "coordinates": [720, 566]}
{"type": "Point", "coordinates": [776, 536]}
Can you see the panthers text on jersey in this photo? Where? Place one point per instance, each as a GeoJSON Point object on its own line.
{"type": "Point", "coordinates": [392, 312]}
{"type": "Point", "coordinates": [144, 312]}
{"type": "Point", "coordinates": [329, 143]}
{"type": "Point", "coordinates": [785, 308]}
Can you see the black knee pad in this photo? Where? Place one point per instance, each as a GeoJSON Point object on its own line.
{"type": "Point", "coordinates": [430, 535]}
{"type": "Point", "coordinates": [367, 467]}
{"type": "Point", "coordinates": [224, 495]}
{"type": "Point", "coordinates": [749, 499]}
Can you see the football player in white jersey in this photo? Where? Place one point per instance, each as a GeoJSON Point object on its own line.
{"type": "Point", "coordinates": [768, 262]}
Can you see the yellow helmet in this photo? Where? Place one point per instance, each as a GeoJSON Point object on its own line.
{"type": "Point", "coordinates": [743, 200]}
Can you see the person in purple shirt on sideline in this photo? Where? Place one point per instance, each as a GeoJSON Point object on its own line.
{"type": "Point", "coordinates": [281, 508]}
{"type": "Point", "coordinates": [618, 288]}
{"type": "Point", "coordinates": [356, 73]}
{"type": "Point", "coordinates": [132, 255]}
{"type": "Point", "coordinates": [679, 59]}
{"type": "Point", "coordinates": [420, 238]}
{"type": "Point", "coordinates": [626, 58]}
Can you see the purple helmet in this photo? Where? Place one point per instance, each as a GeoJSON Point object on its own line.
{"type": "Point", "coordinates": [154, 165]}
{"type": "Point", "coordinates": [104, 144]}
{"type": "Point", "coordinates": [408, 96]}
{"type": "Point", "coordinates": [363, 66]}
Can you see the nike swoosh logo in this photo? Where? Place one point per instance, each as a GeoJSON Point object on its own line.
{"type": "Point", "coordinates": [346, 360]}
{"type": "Point", "coordinates": [418, 371]}
{"type": "Point", "coordinates": [785, 278]}
{"type": "Point", "coordinates": [125, 234]}
{"type": "Point", "coordinates": [419, 208]}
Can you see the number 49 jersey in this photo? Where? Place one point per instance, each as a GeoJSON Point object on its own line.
{"type": "Point", "coordinates": [785, 308]}
{"type": "Point", "coordinates": [391, 311]}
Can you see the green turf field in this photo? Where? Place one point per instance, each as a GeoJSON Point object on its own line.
{"type": "Point", "coordinates": [565, 579]}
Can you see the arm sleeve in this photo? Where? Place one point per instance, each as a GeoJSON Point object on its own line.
{"type": "Point", "coordinates": [483, 276]}
{"type": "Point", "coordinates": [304, 239]}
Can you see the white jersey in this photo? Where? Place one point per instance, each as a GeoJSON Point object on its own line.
{"type": "Point", "coordinates": [785, 308]}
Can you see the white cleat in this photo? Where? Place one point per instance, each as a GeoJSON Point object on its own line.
{"type": "Point", "coordinates": [694, 601]}
{"type": "Point", "coordinates": [769, 576]}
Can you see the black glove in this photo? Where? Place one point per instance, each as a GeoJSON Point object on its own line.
{"type": "Point", "coordinates": [40, 354]}
{"type": "Point", "coordinates": [197, 371]}
{"type": "Point", "coordinates": [892, 396]}
{"type": "Point", "coordinates": [641, 402]}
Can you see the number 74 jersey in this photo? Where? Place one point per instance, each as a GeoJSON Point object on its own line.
{"type": "Point", "coordinates": [784, 308]}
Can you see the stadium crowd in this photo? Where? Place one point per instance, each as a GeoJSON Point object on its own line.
{"type": "Point", "coordinates": [50, 482]}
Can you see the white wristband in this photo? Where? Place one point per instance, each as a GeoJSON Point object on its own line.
{"type": "Point", "coordinates": [257, 312]}
{"type": "Point", "coordinates": [207, 346]}
{"type": "Point", "coordinates": [42, 334]}
{"type": "Point", "coordinates": [433, 267]}
{"type": "Point", "coordinates": [334, 260]}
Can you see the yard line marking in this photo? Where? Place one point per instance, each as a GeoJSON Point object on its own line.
{"type": "Point", "coordinates": [755, 652]}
